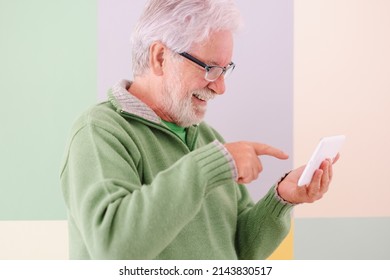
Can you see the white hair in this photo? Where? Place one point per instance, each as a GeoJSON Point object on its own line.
{"type": "Point", "coordinates": [179, 24]}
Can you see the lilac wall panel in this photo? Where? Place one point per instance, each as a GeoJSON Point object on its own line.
{"type": "Point", "coordinates": [115, 24]}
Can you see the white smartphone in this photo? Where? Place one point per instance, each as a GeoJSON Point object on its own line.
{"type": "Point", "coordinates": [328, 147]}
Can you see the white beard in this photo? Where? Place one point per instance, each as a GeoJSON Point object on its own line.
{"type": "Point", "coordinates": [180, 108]}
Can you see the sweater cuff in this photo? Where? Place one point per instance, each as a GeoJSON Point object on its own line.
{"type": "Point", "coordinates": [215, 164]}
{"type": "Point", "coordinates": [277, 206]}
{"type": "Point", "coordinates": [229, 158]}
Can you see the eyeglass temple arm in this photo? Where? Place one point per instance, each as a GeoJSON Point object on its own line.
{"type": "Point", "coordinates": [193, 59]}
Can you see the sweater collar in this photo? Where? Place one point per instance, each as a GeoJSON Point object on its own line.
{"type": "Point", "coordinates": [123, 101]}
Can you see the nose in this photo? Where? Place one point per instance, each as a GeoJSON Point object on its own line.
{"type": "Point", "coordinates": [218, 86]}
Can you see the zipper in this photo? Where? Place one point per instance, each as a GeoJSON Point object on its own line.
{"type": "Point", "coordinates": [192, 133]}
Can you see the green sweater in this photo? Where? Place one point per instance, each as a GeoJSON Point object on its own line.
{"type": "Point", "coordinates": [135, 190]}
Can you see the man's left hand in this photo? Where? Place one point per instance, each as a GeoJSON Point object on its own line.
{"type": "Point", "coordinates": [289, 190]}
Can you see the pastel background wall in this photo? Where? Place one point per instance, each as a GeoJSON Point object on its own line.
{"type": "Point", "coordinates": [306, 68]}
{"type": "Point", "coordinates": [342, 85]}
{"type": "Point", "coordinates": [47, 77]}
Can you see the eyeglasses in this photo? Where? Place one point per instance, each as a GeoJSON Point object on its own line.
{"type": "Point", "coordinates": [213, 72]}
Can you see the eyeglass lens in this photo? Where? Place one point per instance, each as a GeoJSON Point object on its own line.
{"type": "Point", "coordinates": [214, 72]}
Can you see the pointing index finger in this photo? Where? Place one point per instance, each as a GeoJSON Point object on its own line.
{"type": "Point", "coordinates": [264, 149]}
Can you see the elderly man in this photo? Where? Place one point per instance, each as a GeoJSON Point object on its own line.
{"type": "Point", "coordinates": [145, 178]}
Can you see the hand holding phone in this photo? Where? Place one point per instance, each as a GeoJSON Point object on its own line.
{"type": "Point", "coordinates": [328, 147]}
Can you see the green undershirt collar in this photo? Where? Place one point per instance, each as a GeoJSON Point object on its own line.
{"type": "Point", "coordinates": [178, 130]}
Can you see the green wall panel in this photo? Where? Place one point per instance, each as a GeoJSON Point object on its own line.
{"type": "Point", "coordinates": [47, 77]}
{"type": "Point", "coordinates": [342, 238]}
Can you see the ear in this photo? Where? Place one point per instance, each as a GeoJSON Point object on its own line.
{"type": "Point", "coordinates": [157, 55]}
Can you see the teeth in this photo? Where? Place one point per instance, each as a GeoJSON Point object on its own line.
{"type": "Point", "coordinates": [204, 95]}
{"type": "Point", "coordinates": [200, 97]}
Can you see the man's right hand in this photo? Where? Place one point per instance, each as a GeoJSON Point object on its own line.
{"type": "Point", "coordinates": [246, 157]}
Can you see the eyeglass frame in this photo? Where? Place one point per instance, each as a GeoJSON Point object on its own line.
{"type": "Point", "coordinates": [207, 67]}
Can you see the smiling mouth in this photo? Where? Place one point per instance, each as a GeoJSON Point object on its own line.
{"type": "Point", "coordinates": [200, 97]}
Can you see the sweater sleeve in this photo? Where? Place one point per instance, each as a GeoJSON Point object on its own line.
{"type": "Point", "coordinates": [261, 227]}
{"type": "Point", "coordinates": [117, 216]}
